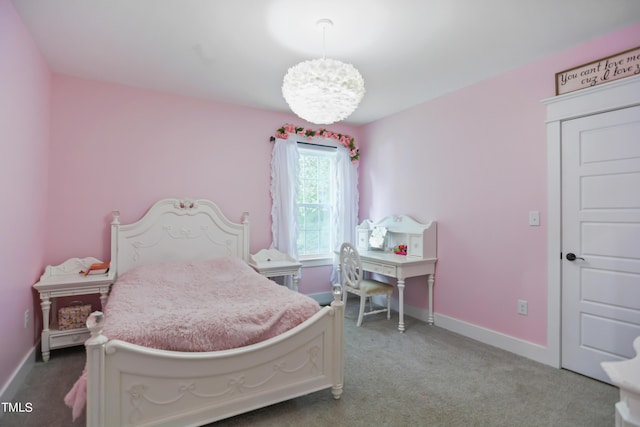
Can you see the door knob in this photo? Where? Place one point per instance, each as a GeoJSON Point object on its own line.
{"type": "Point", "coordinates": [572, 257]}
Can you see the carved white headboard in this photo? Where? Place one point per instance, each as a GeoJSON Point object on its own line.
{"type": "Point", "coordinates": [177, 230]}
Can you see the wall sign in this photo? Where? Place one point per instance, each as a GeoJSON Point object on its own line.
{"type": "Point", "coordinates": [614, 67]}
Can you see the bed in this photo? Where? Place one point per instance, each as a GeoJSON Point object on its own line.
{"type": "Point", "coordinates": [133, 385]}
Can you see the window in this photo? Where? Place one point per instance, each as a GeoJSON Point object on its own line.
{"type": "Point", "coordinates": [315, 203]}
{"type": "Point", "coordinates": [314, 190]}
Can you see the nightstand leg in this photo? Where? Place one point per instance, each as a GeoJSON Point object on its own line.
{"type": "Point", "coordinates": [46, 308]}
{"type": "Point", "coordinates": [295, 282]}
{"type": "Point", "coordinates": [104, 293]}
{"type": "Point", "coordinates": [430, 281]}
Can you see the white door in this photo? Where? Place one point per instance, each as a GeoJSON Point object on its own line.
{"type": "Point", "coordinates": [601, 228]}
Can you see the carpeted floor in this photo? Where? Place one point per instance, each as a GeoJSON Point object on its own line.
{"type": "Point", "coordinates": [425, 377]}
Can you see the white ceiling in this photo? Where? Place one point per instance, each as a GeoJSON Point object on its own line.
{"type": "Point", "coordinates": [237, 51]}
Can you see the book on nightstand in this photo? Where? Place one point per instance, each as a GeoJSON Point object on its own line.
{"type": "Point", "coordinates": [97, 268]}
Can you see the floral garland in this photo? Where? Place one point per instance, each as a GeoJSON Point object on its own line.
{"type": "Point", "coordinates": [346, 140]}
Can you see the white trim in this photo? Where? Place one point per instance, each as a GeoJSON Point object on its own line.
{"type": "Point", "coordinates": [486, 336]}
{"type": "Point", "coordinates": [554, 243]}
{"type": "Point", "coordinates": [18, 377]}
{"type": "Point", "coordinates": [496, 339]}
{"type": "Point", "coordinates": [508, 343]}
{"type": "Point", "coordinates": [610, 96]}
{"type": "Point", "coordinates": [415, 312]}
{"type": "Point", "coordinates": [505, 342]}
{"type": "Point", "coordinates": [323, 298]}
{"type": "Point", "coordinates": [316, 262]}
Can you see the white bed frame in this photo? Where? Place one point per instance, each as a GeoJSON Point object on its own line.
{"type": "Point", "coordinates": [131, 385]}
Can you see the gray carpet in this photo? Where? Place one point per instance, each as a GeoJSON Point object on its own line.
{"type": "Point", "coordinates": [425, 377]}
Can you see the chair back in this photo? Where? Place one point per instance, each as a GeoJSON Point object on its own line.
{"type": "Point", "coordinates": [350, 265]}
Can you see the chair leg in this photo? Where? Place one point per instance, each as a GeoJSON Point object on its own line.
{"type": "Point", "coordinates": [388, 306]}
{"type": "Point", "coordinates": [363, 300]}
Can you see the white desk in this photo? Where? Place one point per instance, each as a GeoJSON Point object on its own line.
{"type": "Point", "coordinates": [401, 267]}
{"type": "Point", "coordinates": [420, 241]}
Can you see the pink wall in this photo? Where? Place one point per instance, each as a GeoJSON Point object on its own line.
{"type": "Point", "coordinates": [117, 147]}
{"type": "Point", "coordinates": [24, 139]}
{"type": "Point", "coordinates": [475, 161]}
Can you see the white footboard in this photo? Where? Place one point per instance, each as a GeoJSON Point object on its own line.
{"type": "Point", "coordinates": [130, 385]}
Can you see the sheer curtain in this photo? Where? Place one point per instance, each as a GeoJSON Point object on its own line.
{"type": "Point", "coordinates": [285, 181]}
{"type": "Point", "coordinates": [347, 199]}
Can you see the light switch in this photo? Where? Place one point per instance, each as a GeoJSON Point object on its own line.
{"type": "Point", "coordinates": [534, 218]}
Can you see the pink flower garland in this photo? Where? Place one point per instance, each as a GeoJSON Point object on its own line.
{"type": "Point", "coordinates": [346, 140]}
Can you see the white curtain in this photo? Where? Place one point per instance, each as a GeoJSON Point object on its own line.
{"type": "Point", "coordinates": [346, 209]}
{"type": "Point", "coordinates": [285, 179]}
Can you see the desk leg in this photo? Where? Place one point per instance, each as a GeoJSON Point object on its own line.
{"type": "Point", "coordinates": [44, 341]}
{"type": "Point", "coordinates": [401, 304]}
{"type": "Point", "coordinates": [430, 281]}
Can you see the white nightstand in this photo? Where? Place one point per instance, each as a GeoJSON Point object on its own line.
{"type": "Point", "coordinates": [273, 263]}
{"type": "Point", "coordinates": [61, 281]}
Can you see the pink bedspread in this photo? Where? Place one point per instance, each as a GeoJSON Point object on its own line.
{"type": "Point", "coordinates": [197, 306]}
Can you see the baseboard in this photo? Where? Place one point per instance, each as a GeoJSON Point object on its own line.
{"type": "Point", "coordinates": [323, 298]}
{"type": "Point", "coordinates": [517, 346]}
{"type": "Point", "coordinates": [18, 377]}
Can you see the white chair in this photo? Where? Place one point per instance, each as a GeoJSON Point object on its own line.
{"type": "Point", "coordinates": [353, 282]}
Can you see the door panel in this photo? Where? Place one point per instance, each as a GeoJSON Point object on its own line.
{"type": "Point", "coordinates": [605, 191]}
{"type": "Point", "coordinates": [595, 340]}
{"type": "Point", "coordinates": [611, 239]}
{"type": "Point", "coordinates": [621, 291]}
{"type": "Point", "coordinates": [600, 223]}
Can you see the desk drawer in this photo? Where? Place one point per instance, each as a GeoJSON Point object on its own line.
{"type": "Point", "coordinates": [387, 270]}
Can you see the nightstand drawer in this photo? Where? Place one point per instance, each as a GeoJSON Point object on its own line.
{"type": "Point", "coordinates": [387, 270]}
{"type": "Point", "coordinates": [68, 338]}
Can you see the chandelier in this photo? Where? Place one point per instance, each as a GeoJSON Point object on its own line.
{"type": "Point", "coordinates": [323, 91]}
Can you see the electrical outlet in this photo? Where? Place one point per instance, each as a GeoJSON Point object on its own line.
{"type": "Point", "coordinates": [523, 307]}
{"type": "Point", "coordinates": [27, 318]}
{"type": "Point", "coordinates": [534, 218]}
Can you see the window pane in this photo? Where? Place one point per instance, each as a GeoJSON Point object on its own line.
{"type": "Point", "coordinates": [311, 194]}
{"type": "Point", "coordinates": [301, 218]}
{"type": "Point", "coordinates": [312, 241]}
{"type": "Point", "coordinates": [308, 167]}
{"type": "Point", "coordinates": [324, 169]}
{"type": "Point", "coordinates": [312, 218]}
{"type": "Point", "coordinates": [314, 202]}
{"type": "Point", "coordinates": [323, 192]}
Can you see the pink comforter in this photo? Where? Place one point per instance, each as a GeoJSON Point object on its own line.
{"type": "Point", "coordinates": [197, 306]}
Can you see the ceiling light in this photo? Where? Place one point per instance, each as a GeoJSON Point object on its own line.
{"type": "Point", "coordinates": [323, 91]}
